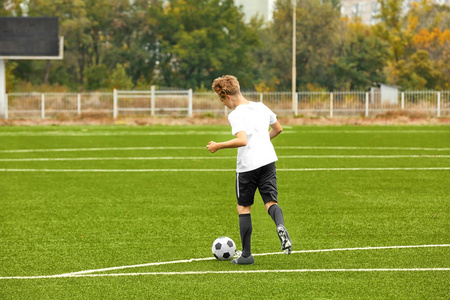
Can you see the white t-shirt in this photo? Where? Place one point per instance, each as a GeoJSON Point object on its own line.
{"type": "Point", "coordinates": [253, 118]}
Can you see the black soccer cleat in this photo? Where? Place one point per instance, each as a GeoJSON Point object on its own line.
{"type": "Point", "coordinates": [244, 260]}
{"type": "Point", "coordinates": [286, 244]}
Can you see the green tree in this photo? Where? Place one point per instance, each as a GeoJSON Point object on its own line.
{"type": "Point", "coordinates": [119, 79]}
{"type": "Point", "coordinates": [416, 73]}
{"type": "Point", "coordinates": [390, 28]}
{"type": "Point", "coordinates": [361, 60]}
{"type": "Point", "coordinates": [96, 77]}
{"type": "Point", "coordinates": [133, 40]}
{"type": "Point", "coordinates": [198, 40]}
{"type": "Point", "coordinates": [72, 24]}
{"type": "Point", "coordinates": [11, 8]}
{"type": "Point", "coordinates": [10, 79]}
{"type": "Point", "coordinates": [316, 25]}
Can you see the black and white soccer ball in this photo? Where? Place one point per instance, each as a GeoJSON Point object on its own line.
{"type": "Point", "coordinates": [223, 248]}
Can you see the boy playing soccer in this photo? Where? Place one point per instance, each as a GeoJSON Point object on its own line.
{"type": "Point", "coordinates": [256, 158]}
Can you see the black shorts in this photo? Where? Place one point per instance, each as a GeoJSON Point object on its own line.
{"type": "Point", "coordinates": [264, 179]}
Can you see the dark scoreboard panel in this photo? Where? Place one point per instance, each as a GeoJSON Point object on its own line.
{"type": "Point", "coordinates": [27, 36]}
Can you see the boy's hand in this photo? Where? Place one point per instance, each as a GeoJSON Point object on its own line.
{"type": "Point", "coordinates": [212, 147]}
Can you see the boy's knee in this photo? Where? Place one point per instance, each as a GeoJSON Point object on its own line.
{"type": "Point", "coordinates": [270, 204]}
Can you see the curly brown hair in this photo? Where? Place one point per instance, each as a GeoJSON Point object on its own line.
{"type": "Point", "coordinates": [226, 85]}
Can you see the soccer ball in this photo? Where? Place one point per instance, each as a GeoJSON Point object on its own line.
{"type": "Point", "coordinates": [223, 248]}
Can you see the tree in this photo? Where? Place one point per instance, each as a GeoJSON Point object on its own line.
{"type": "Point", "coordinates": [11, 8]}
{"type": "Point", "coordinates": [420, 45]}
{"type": "Point", "coordinates": [72, 23]}
{"type": "Point", "coordinates": [431, 34]}
{"type": "Point", "coordinates": [96, 77]}
{"type": "Point", "coordinates": [361, 59]}
{"type": "Point", "coordinates": [390, 28]}
{"type": "Point", "coordinates": [10, 79]}
{"type": "Point", "coordinates": [130, 40]}
{"type": "Point", "coordinates": [316, 44]}
{"type": "Point", "coordinates": [198, 40]}
{"type": "Point", "coordinates": [119, 79]}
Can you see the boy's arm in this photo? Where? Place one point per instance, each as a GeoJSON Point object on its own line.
{"type": "Point", "coordinates": [275, 130]}
{"type": "Point", "coordinates": [239, 141]}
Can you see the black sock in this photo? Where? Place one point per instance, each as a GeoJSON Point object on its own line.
{"type": "Point", "coordinates": [277, 214]}
{"type": "Point", "coordinates": [245, 228]}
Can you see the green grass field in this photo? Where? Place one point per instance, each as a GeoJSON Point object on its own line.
{"type": "Point", "coordinates": [109, 204]}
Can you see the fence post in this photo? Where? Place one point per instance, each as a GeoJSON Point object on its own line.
{"type": "Point", "coordinates": [403, 100]}
{"type": "Point", "coordinates": [43, 106]}
{"type": "Point", "coordinates": [438, 104]}
{"type": "Point", "coordinates": [190, 103]}
{"type": "Point", "coordinates": [115, 109]}
{"type": "Point", "coordinates": [367, 105]}
{"type": "Point", "coordinates": [261, 97]}
{"type": "Point", "coordinates": [79, 104]}
{"type": "Point", "coordinates": [296, 105]}
{"type": "Point", "coordinates": [6, 106]}
{"type": "Point", "coordinates": [331, 104]}
{"type": "Point", "coordinates": [152, 101]}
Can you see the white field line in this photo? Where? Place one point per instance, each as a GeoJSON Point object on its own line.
{"type": "Point", "coordinates": [89, 273]}
{"type": "Point", "coordinates": [213, 157]}
{"type": "Point", "coordinates": [230, 272]}
{"type": "Point", "coordinates": [204, 148]}
{"type": "Point", "coordinates": [370, 131]}
{"type": "Point", "coordinates": [361, 148]}
{"type": "Point", "coordinates": [116, 170]}
{"type": "Point", "coordinates": [102, 149]}
{"type": "Point", "coordinates": [112, 133]}
{"type": "Point", "coordinates": [86, 132]}
{"type": "Point", "coordinates": [219, 170]}
{"type": "Point", "coordinates": [365, 169]}
{"type": "Point", "coordinates": [261, 254]}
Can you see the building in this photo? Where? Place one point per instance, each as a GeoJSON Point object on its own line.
{"type": "Point", "coordinates": [384, 94]}
{"type": "Point", "coordinates": [368, 10]}
{"type": "Point", "coordinates": [262, 8]}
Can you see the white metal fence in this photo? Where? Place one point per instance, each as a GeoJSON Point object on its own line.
{"type": "Point", "coordinates": [187, 103]}
{"type": "Point", "coordinates": [153, 102]}
{"type": "Point", "coordinates": [58, 105]}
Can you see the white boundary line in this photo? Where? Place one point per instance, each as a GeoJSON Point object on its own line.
{"type": "Point", "coordinates": [89, 132]}
{"type": "Point", "coordinates": [101, 149]}
{"type": "Point", "coordinates": [204, 148]}
{"type": "Point", "coordinates": [365, 169]}
{"type": "Point", "coordinates": [230, 272]}
{"type": "Point", "coordinates": [212, 157]}
{"type": "Point", "coordinates": [260, 254]}
{"type": "Point", "coordinates": [361, 148]}
{"type": "Point", "coordinates": [89, 273]}
{"type": "Point", "coordinates": [218, 170]}
{"type": "Point", "coordinates": [112, 133]}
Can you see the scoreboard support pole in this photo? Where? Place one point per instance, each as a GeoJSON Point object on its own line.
{"type": "Point", "coordinates": [2, 89]}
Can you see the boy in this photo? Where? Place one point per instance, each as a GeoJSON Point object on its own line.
{"type": "Point", "coordinates": [255, 161]}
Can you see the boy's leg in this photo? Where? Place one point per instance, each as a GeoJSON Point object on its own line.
{"type": "Point", "coordinates": [245, 229]}
{"type": "Point", "coordinates": [276, 213]}
{"type": "Point", "coordinates": [245, 192]}
{"type": "Point", "coordinates": [269, 192]}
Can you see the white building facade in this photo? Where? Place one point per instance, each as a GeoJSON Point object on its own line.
{"type": "Point", "coordinates": [368, 10]}
{"type": "Point", "coordinates": [262, 8]}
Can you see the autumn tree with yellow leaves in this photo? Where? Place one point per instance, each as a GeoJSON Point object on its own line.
{"type": "Point", "coordinates": [419, 45]}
